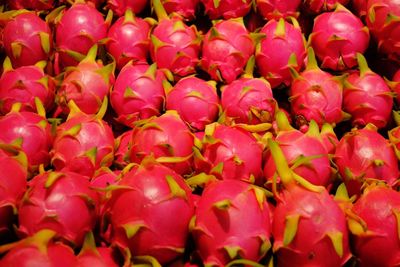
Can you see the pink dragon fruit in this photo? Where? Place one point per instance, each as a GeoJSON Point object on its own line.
{"type": "Point", "coordinates": [226, 9]}
{"type": "Point", "coordinates": [185, 8]}
{"type": "Point", "coordinates": [316, 95]}
{"type": "Point", "coordinates": [337, 37]}
{"type": "Point", "coordinates": [329, 138]}
{"type": "Point", "coordinates": [83, 143]}
{"type": "Point", "coordinates": [23, 85]}
{"type": "Point", "coordinates": [364, 154]}
{"type": "Point", "coordinates": [37, 5]}
{"type": "Point", "coordinates": [383, 20]}
{"type": "Point", "coordinates": [27, 39]}
{"type": "Point", "coordinates": [309, 227]}
{"type": "Point", "coordinates": [31, 132]}
{"type": "Point", "coordinates": [367, 97]}
{"type": "Point", "coordinates": [155, 196]}
{"type": "Point", "coordinates": [195, 100]}
{"type": "Point", "coordinates": [121, 148]}
{"type": "Point", "coordinates": [59, 201]}
{"type": "Point", "coordinates": [229, 153]}
{"type": "Point", "coordinates": [276, 9]}
{"type": "Point", "coordinates": [119, 7]}
{"type": "Point", "coordinates": [174, 45]}
{"type": "Point", "coordinates": [227, 47]}
{"type": "Point", "coordinates": [166, 138]}
{"type": "Point", "coordinates": [288, 42]}
{"type": "Point", "coordinates": [138, 93]}
{"type": "Point", "coordinates": [248, 100]}
{"type": "Point", "coordinates": [87, 84]}
{"type": "Point", "coordinates": [13, 176]}
{"type": "Point", "coordinates": [38, 250]}
{"type": "Point", "coordinates": [77, 30]}
{"type": "Point", "coordinates": [360, 8]}
{"type": "Point", "coordinates": [320, 6]}
{"type": "Point", "coordinates": [304, 152]}
{"type": "Point", "coordinates": [128, 39]}
{"type": "Point", "coordinates": [396, 86]}
{"type": "Point", "coordinates": [95, 3]}
{"type": "Point", "coordinates": [231, 222]}
{"type": "Point", "coordinates": [375, 227]}
{"type": "Point", "coordinates": [101, 179]}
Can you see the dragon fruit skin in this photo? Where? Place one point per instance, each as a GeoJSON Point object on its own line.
{"type": "Point", "coordinates": [229, 153]}
{"type": "Point", "coordinates": [80, 27]}
{"type": "Point", "coordinates": [232, 220]}
{"type": "Point", "coordinates": [375, 231]}
{"type": "Point", "coordinates": [316, 95]}
{"type": "Point", "coordinates": [27, 39]}
{"type": "Point", "coordinates": [60, 201]}
{"type": "Point", "coordinates": [227, 47]}
{"type": "Point", "coordinates": [138, 93]}
{"type": "Point", "coordinates": [384, 23]}
{"type": "Point", "coordinates": [166, 137]}
{"type": "Point", "coordinates": [362, 154]}
{"type": "Point", "coordinates": [128, 39]}
{"type": "Point", "coordinates": [226, 9]}
{"type": "Point", "coordinates": [276, 9]}
{"type": "Point", "coordinates": [156, 195]}
{"type": "Point", "coordinates": [320, 6]}
{"type": "Point", "coordinates": [119, 7]}
{"type": "Point", "coordinates": [37, 5]}
{"type": "Point", "coordinates": [22, 85]}
{"type": "Point", "coordinates": [38, 250]}
{"type": "Point", "coordinates": [288, 42]}
{"type": "Point", "coordinates": [185, 8]}
{"type": "Point", "coordinates": [122, 146]}
{"type": "Point", "coordinates": [83, 144]}
{"type": "Point", "coordinates": [195, 100]}
{"type": "Point", "coordinates": [367, 97]}
{"type": "Point", "coordinates": [396, 85]}
{"type": "Point", "coordinates": [337, 37]}
{"type": "Point", "coordinates": [359, 8]}
{"type": "Point", "coordinates": [248, 100]}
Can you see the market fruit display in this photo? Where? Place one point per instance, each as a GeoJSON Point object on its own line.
{"type": "Point", "coordinates": [186, 133]}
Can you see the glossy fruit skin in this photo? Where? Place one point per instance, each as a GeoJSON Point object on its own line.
{"type": "Point", "coordinates": [226, 9]}
{"type": "Point", "coordinates": [320, 6]}
{"type": "Point", "coordinates": [119, 7]}
{"type": "Point", "coordinates": [31, 4]}
{"type": "Point", "coordinates": [396, 87]}
{"type": "Point", "coordinates": [185, 8]}
{"type": "Point", "coordinates": [275, 9]}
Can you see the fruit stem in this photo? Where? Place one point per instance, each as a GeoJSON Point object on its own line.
{"type": "Point", "coordinates": [160, 11]}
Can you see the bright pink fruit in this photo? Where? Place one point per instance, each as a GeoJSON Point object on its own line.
{"type": "Point", "coordinates": [365, 154]}
{"type": "Point", "coordinates": [138, 93]}
{"type": "Point", "coordinates": [27, 39]}
{"type": "Point", "coordinates": [360, 7]}
{"type": "Point", "coordinates": [185, 8]}
{"type": "Point", "coordinates": [232, 221]}
{"type": "Point", "coordinates": [122, 146]}
{"type": "Point", "coordinates": [101, 179]}
{"type": "Point", "coordinates": [396, 86]}
{"type": "Point", "coordinates": [143, 212]}
{"type": "Point", "coordinates": [119, 7]}
{"type": "Point", "coordinates": [337, 37]}
{"type": "Point", "coordinates": [129, 39]}
{"type": "Point", "coordinates": [195, 100]}
{"type": "Point", "coordinates": [31, 4]}
{"type": "Point", "coordinates": [288, 44]}
{"type": "Point", "coordinates": [275, 9]}
{"type": "Point", "coordinates": [320, 6]}
{"type": "Point", "coordinates": [166, 138]}
{"type": "Point", "coordinates": [226, 9]}
{"type": "Point", "coordinates": [90, 255]}
{"type": "Point", "coordinates": [60, 201]}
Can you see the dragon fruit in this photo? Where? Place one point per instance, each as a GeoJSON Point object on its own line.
{"type": "Point", "coordinates": [143, 210]}
{"type": "Point", "coordinates": [195, 100]}
{"type": "Point", "coordinates": [337, 37]}
{"type": "Point", "coordinates": [231, 222]}
{"type": "Point", "coordinates": [23, 85]}
{"type": "Point", "coordinates": [119, 7]}
{"type": "Point", "coordinates": [38, 250]}
{"type": "Point", "coordinates": [37, 5]}
{"type": "Point", "coordinates": [59, 201]}
{"type": "Point", "coordinates": [226, 9]}
{"type": "Point", "coordinates": [304, 152]}
{"type": "Point", "coordinates": [166, 138]}
{"type": "Point", "coordinates": [174, 45]}
{"type": "Point", "coordinates": [395, 86]}
{"type": "Point", "coordinates": [248, 100]}
{"type": "Point", "coordinates": [138, 93]}
{"type": "Point", "coordinates": [360, 8]}
{"type": "Point", "coordinates": [309, 227]}
{"type": "Point", "coordinates": [185, 8]}
{"type": "Point", "coordinates": [27, 39]}
{"type": "Point", "coordinates": [288, 42]}
{"type": "Point", "coordinates": [229, 152]}
{"type": "Point", "coordinates": [316, 95]}
{"type": "Point", "coordinates": [95, 3]}
{"type": "Point", "coordinates": [87, 84]}
{"type": "Point", "coordinates": [227, 47]}
{"type": "Point", "coordinates": [128, 39]}
{"type": "Point", "coordinates": [383, 20]}
{"type": "Point", "coordinates": [83, 143]}
{"type": "Point", "coordinates": [13, 176]}
{"type": "Point", "coordinates": [320, 6]}
{"type": "Point", "coordinates": [102, 178]}
{"type": "Point", "coordinates": [121, 148]}
{"type": "Point", "coordinates": [375, 226]}
{"type": "Point", "coordinates": [364, 154]}
{"type": "Point", "coordinates": [367, 97]}
{"type": "Point", "coordinates": [276, 9]}
{"type": "Point", "coordinates": [329, 138]}
{"type": "Point", "coordinates": [77, 30]}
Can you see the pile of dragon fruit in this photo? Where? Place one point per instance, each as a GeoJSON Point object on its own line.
{"type": "Point", "coordinates": [209, 133]}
